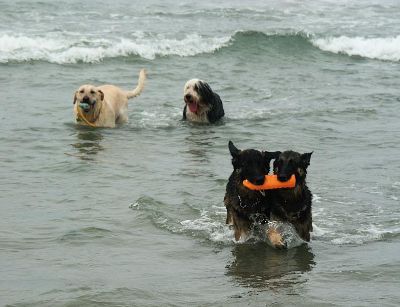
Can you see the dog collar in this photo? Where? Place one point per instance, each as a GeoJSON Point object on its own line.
{"type": "Point", "coordinates": [82, 117]}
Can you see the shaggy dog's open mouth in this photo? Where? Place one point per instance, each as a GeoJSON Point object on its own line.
{"type": "Point", "coordinates": [192, 104]}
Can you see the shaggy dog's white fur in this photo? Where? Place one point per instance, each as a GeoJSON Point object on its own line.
{"type": "Point", "coordinates": [201, 103]}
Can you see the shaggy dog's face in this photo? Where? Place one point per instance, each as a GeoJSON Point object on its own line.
{"type": "Point", "coordinates": [291, 163]}
{"type": "Point", "coordinates": [251, 164]}
{"type": "Point", "coordinates": [195, 95]}
{"type": "Point", "coordinates": [88, 94]}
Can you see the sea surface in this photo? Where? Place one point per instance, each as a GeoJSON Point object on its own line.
{"type": "Point", "coordinates": [134, 216]}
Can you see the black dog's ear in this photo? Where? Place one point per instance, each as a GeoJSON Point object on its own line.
{"type": "Point", "coordinates": [101, 95]}
{"type": "Point", "coordinates": [233, 150]}
{"type": "Point", "coordinates": [305, 159]}
{"type": "Point", "coordinates": [75, 98]}
{"type": "Point", "coordinates": [235, 154]}
{"type": "Point", "coordinates": [205, 92]}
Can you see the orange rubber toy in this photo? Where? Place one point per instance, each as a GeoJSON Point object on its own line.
{"type": "Point", "coordinates": [271, 182]}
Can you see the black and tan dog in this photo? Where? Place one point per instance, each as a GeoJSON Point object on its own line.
{"type": "Point", "coordinates": [291, 205]}
{"type": "Point", "coordinates": [245, 207]}
{"type": "Point", "coordinates": [202, 104]}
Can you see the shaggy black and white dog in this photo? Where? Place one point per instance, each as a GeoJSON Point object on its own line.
{"type": "Point", "coordinates": [201, 103]}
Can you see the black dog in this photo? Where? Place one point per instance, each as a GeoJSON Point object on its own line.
{"type": "Point", "coordinates": [292, 205]}
{"type": "Point", "coordinates": [201, 103]}
{"type": "Point", "coordinates": [245, 207]}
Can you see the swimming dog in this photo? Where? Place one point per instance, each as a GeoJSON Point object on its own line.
{"type": "Point", "coordinates": [105, 105]}
{"type": "Point", "coordinates": [244, 206]}
{"type": "Point", "coordinates": [291, 205]}
{"type": "Point", "coordinates": [201, 103]}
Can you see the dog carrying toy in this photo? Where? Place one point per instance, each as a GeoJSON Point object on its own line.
{"type": "Point", "coordinates": [271, 182]}
{"type": "Point", "coordinates": [81, 116]}
{"type": "Point", "coordinates": [84, 106]}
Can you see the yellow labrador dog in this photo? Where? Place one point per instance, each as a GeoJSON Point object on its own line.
{"type": "Point", "coordinates": [105, 105]}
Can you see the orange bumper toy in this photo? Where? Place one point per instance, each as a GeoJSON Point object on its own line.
{"type": "Point", "coordinates": [271, 182]}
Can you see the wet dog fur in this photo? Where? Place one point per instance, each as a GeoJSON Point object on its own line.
{"type": "Point", "coordinates": [201, 103]}
{"type": "Point", "coordinates": [244, 206]}
{"type": "Point", "coordinates": [291, 205]}
{"type": "Point", "coordinates": [108, 104]}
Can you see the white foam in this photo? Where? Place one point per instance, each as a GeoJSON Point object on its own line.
{"type": "Point", "coordinates": [319, 232]}
{"type": "Point", "coordinates": [216, 231]}
{"type": "Point", "coordinates": [374, 48]}
{"type": "Point", "coordinates": [316, 198]}
{"type": "Point", "coordinates": [252, 114]}
{"type": "Point", "coordinates": [155, 119]}
{"type": "Point", "coordinates": [371, 233]}
{"type": "Point", "coordinates": [70, 49]}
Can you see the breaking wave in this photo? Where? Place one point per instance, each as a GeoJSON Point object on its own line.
{"type": "Point", "coordinates": [22, 48]}
{"type": "Point", "coordinates": [70, 49]}
{"type": "Point", "coordinates": [374, 48]}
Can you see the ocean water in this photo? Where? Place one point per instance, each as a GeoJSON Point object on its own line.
{"type": "Point", "coordinates": [134, 216]}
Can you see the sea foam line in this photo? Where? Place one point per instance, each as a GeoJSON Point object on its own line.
{"type": "Point", "coordinates": [69, 50]}
{"type": "Point", "coordinates": [73, 48]}
{"type": "Point", "coordinates": [373, 48]}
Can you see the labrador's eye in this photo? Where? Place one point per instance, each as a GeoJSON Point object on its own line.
{"type": "Point", "coordinates": [81, 91]}
{"type": "Point", "coordinates": [92, 92]}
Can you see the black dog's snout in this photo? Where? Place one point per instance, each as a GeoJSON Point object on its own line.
{"type": "Point", "coordinates": [259, 180]}
{"type": "Point", "coordinates": [283, 177]}
{"type": "Point", "coordinates": [188, 97]}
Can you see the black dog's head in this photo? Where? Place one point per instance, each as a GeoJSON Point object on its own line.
{"type": "Point", "coordinates": [291, 163]}
{"type": "Point", "coordinates": [251, 164]}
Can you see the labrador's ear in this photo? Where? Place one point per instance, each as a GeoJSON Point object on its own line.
{"type": "Point", "coordinates": [101, 95]}
{"type": "Point", "coordinates": [75, 97]}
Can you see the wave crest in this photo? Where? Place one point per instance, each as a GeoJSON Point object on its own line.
{"type": "Point", "coordinates": [73, 48]}
{"type": "Point", "coordinates": [373, 48]}
{"type": "Point", "coordinates": [70, 50]}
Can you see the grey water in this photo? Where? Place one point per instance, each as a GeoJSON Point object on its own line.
{"type": "Point", "coordinates": [134, 216]}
